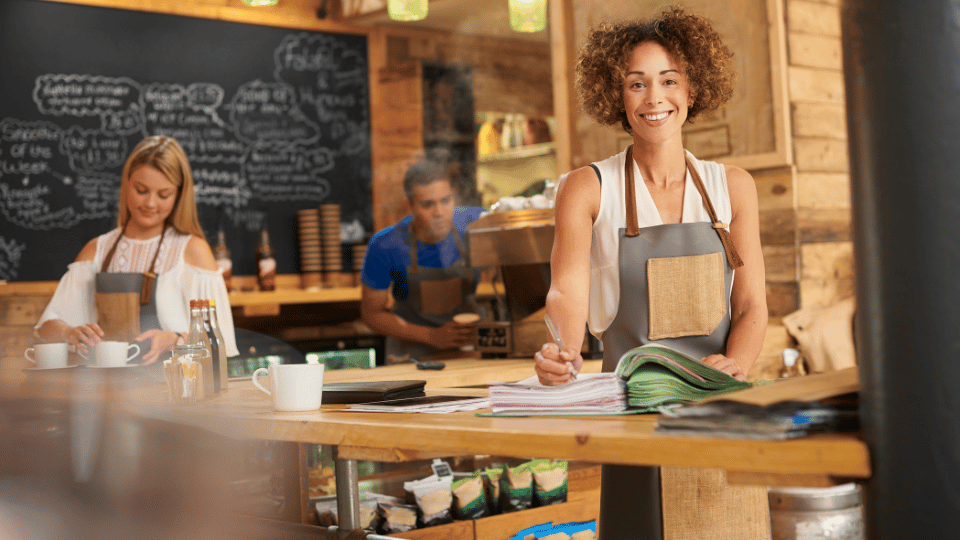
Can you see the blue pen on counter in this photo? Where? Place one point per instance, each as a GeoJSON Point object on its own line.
{"type": "Point", "coordinates": [558, 340]}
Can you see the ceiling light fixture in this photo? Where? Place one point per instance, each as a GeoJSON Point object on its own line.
{"type": "Point", "coordinates": [528, 15]}
{"type": "Point", "coordinates": [257, 3]}
{"type": "Point", "coordinates": [407, 10]}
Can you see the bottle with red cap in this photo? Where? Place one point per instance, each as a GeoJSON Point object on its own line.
{"type": "Point", "coordinates": [197, 337]}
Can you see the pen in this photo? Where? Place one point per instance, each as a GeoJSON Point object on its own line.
{"type": "Point", "coordinates": [558, 340]}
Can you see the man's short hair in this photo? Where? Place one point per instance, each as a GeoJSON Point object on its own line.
{"type": "Point", "coordinates": [423, 172]}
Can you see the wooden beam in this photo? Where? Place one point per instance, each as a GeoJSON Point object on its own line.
{"type": "Point", "coordinates": [562, 60]}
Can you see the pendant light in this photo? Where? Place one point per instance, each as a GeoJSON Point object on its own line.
{"type": "Point", "coordinates": [407, 10]}
{"type": "Point", "coordinates": [257, 3]}
{"type": "Point", "coordinates": [528, 15]}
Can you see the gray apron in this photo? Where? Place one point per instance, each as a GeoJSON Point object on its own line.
{"type": "Point", "coordinates": [630, 503]}
{"type": "Point", "coordinates": [127, 301]}
{"type": "Point", "coordinates": [434, 296]}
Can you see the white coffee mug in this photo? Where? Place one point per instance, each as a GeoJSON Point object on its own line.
{"type": "Point", "coordinates": [294, 387]}
{"type": "Point", "coordinates": [47, 355]}
{"type": "Point", "coordinates": [113, 353]}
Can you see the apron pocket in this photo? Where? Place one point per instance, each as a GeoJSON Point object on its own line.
{"type": "Point", "coordinates": [686, 295]}
{"type": "Point", "coordinates": [118, 315]}
{"type": "Point", "coordinates": [440, 297]}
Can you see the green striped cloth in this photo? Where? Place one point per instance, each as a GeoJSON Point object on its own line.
{"type": "Point", "coordinates": [659, 376]}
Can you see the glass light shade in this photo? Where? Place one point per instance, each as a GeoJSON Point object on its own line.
{"type": "Point", "coordinates": [528, 15]}
{"type": "Point", "coordinates": [260, 2]}
{"type": "Point", "coordinates": [407, 10]}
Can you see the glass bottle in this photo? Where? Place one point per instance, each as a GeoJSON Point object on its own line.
{"type": "Point", "coordinates": [266, 264]}
{"type": "Point", "coordinates": [215, 345]}
{"type": "Point", "coordinates": [224, 263]}
{"type": "Point", "coordinates": [197, 337]}
{"type": "Point", "coordinates": [790, 367]}
{"type": "Point", "coordinates": [215, 324]}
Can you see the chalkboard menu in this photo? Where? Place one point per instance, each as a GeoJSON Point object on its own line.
{"type": "Point", "coordinates": [273, 120]}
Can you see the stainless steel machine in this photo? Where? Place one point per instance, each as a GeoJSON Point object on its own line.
{"type": "Point", "coordinates": [517, 244]}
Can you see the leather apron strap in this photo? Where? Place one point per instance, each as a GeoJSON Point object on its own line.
{"type": "Point", "coordinates": [633, 227]}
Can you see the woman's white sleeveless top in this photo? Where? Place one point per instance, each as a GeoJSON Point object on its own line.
{"type": "Point", "coordinates": [605, 244]}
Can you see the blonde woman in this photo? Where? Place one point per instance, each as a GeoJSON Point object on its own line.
{"type": "Point", "coordinates": [135, 282]}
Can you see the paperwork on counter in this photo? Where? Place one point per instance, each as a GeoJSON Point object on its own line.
{"type": "Point", "coordinates": [777, 409]}
{"type": "Point", "coordinates": [647, 379]}
{"type": "Point", "coordinates": [425, 404]}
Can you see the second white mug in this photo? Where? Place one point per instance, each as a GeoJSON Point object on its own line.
{"type": "Point", "coordinates": [293, 387]}
{"type": "Point", "coordinates": [112, 353]}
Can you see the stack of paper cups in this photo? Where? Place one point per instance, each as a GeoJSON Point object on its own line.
{"type": "Point", "coordinates": [330, 243]}
{"type": "Point", "coordinates": [359, 250]}
{"type": "Point", "coordinates": [308, 222]}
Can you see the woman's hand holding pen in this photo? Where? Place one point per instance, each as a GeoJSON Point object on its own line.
{"type": "Point", "coordinates": [554, 366]}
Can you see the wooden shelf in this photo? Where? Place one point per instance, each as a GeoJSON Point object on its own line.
{"type": "Point", "coordinates": [522, 152]}
{"type": "Point", "coordinates": [295, 296]}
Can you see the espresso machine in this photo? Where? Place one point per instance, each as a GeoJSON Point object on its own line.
{"type": "Point", "coordinates": [516, 246]}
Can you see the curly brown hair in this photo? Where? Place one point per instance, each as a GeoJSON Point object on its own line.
{"type": "Point", "coordinates": [690, 39]}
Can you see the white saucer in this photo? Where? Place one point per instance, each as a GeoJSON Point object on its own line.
{"type": "Point", "coordinates": [113, 367]}
{"type": "Point", "coordinates": [52, 368]}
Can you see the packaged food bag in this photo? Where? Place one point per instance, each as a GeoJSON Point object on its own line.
{"type": "Point", "coordinates": [493, 475]}
{"type": "Point", "coordinates": [469, 500]}
{"type": "Point", "coordinates": [433, 497]}
{"type": "Point", "coordinates": [550, 482]}
{"type": "Point", "coordinates": [516, 488]}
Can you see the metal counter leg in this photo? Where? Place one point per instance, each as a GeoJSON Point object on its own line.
{"type": "Point", "coordinates": [630, 503]}
{"type": "Point", "coordinates": [348, 494]}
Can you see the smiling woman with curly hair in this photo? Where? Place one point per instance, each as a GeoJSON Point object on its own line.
{"type": "Point", "coordinates": [689, 39]}
{"type": "Point", "coordinates": [647, 244]}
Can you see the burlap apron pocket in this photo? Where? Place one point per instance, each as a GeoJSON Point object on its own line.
{"type": "Point", "coordinates": [686, 295]}
{"type": "Point", "coordinates": [441, 296]}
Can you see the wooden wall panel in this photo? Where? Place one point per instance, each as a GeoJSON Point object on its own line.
{"type": "Point", "coordinates": [827, 260]}
{"type": "Point", "coordinates": [822, 155]}
{"type": "Point", "coordinates": [815, 85]}
{"type": "Point", "coordinates": [814, 51]}
{"type": "Point", "coordinates": [817, 17]}
{"type": "Point", "coordinates": [823, 190]}
{"type": "Point", "coordinates": [823, 225]}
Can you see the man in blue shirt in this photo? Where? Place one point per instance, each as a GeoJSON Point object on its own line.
{"type": "Point", "coordinates": [422, 261]}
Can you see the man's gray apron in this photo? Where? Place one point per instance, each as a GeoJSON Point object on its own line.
{"type": "Point", "coordinates": [630, 505]}
{"type": "Point", "coordinates": [127, 301]}
{"type": "Point", "coordinates": [434, 296]}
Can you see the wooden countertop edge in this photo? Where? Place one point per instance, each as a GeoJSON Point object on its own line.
{"type": "Point", "coordinates": [602, 440]}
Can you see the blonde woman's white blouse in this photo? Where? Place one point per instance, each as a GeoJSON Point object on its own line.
{"type": "Point", "coordinates": [177, 283]}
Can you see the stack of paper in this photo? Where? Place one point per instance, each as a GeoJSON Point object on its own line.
{"type": "Point", "coordinates": [659, 376]}
{"type": "Point", "coordinates": [592, 393]}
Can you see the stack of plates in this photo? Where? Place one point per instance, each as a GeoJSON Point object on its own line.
{"type": "Point", "coordinates": [330, 242]}
{"type": "Point", "coordinates": [308, 222]}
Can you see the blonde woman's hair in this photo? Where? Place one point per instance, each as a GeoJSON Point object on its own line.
{"type": "Point", "coordinates": [164, 154]}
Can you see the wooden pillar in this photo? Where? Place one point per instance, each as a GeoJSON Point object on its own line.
{"type": "Point", "coordinates": [562, 57]}
{"type": "Point", "coordinates": [903, 110]}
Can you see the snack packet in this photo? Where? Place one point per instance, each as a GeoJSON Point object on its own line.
{"type": "Point", "coordinates": [469, 500]}
{"type": "Point", "coordinates": [550, 482]}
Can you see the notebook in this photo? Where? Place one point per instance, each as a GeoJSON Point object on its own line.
{"type": "Point", "coordinates": [370, 391]}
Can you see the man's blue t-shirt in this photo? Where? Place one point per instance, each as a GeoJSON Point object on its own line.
{"type": "Point", "coordinates": [388, 252]}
